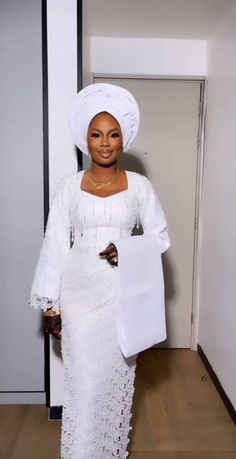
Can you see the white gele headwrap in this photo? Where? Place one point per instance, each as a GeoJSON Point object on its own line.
{"type": "Point", "coordinates": [103, 97]}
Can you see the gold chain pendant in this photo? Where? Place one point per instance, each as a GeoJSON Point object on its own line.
{"type": "Point", "coordinates": [100, 185]}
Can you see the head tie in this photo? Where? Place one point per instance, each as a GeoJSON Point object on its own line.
{"type": "Point", "coordinates": [103, 97]}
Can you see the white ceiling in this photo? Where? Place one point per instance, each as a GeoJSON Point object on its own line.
{"type": "Point", "coordinates": [192, 19]}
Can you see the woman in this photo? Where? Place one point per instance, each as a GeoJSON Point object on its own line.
{"type": "Point", "coordinates": [75, 279]}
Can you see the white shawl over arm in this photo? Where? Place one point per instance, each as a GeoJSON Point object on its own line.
{"type": "Point", "coordinates": [45, 291]}
{"type": "Point", "coordinates": [140, 313]}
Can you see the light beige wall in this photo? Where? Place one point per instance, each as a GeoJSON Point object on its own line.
{"type": "Point", "coordinates": [217, 325]}
{"type": "Point", "coordinates": [148, 56]}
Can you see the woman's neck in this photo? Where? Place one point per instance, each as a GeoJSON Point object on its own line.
{"type": "Point", "coordinates": [103, 173]}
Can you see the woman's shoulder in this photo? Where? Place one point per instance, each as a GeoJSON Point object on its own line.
{"type": "Point", "coordinates": [139, 180]}
{"type": "Point", "coordinates": [69, 180]}
{"type": "Point", "coordinates": [67, 184]}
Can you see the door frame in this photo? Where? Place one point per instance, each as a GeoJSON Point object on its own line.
{"type": "Point", "coordinates": [198, 184]}
{"type": "Point", "coordinates": [54, 411]}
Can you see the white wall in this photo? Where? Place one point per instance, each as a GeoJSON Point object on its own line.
{"type": "Point", "coordinates": [148, 56]}
{"type": "Point", "coordinates": [62, 85]}
{"type": "Point", "coordinates": [21, 200]}
{"type": "Point", "coordinates": [217, 326]}
{"type": "Point", "coordinates": [86, 48]}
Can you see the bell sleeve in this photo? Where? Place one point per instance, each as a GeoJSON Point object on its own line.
{"type": "Point", "coordinates": [45, 291]}
{"type": "Point", "coordinates": [151, 214]}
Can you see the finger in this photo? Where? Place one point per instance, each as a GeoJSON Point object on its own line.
{"type": "Point", "coordinates": [105, 252]}
{"type": "Point", "coordinates": [111, 246]}
{"type": "Point", "coordinates": [112, 255]}
{"type": "Point", "coordinates": [52, 328]}
{"type": "Point", "coordinates": [108, 250]}
{"type": "Point", "coordinates": [56, 334]}
{"type": "Point", "coordinates": [113, 261]}
{"type": "Point", "coordinates": [52, 332]}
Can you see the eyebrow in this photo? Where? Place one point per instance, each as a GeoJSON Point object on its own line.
{"type": "Point", "coordinates": [111, 130]}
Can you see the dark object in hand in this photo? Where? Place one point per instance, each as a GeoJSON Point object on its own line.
{"type": "Point", "coordinates": [52, 324]}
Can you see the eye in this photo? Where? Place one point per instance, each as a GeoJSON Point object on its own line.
{"type": "Point", "coordinates": [95, 135]}
{"type": "Point", "coordinates": [114, 135]}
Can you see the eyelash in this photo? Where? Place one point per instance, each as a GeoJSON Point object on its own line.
{"type": "Point", "coordinates": [114, 135]}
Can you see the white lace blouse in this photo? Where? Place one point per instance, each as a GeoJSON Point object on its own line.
{"type": "Point", "coordinates": [80, 220]}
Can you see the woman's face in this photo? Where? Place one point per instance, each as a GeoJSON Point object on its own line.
{"type": "Point", "coordinates": [104, 139]}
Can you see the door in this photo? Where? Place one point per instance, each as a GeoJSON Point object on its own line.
{"type": "Point", "coordinates": [166, 152]}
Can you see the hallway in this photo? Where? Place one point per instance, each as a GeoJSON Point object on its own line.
{"type": "Point", "coordinates": [176, 415]}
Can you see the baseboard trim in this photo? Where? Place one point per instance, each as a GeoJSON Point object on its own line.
{"type": "Point", "coordinates": [55, 413]}
{"type": "Point", "coordinates": [224, 397]}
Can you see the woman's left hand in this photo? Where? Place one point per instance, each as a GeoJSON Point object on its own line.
{"type": "Point", "coordinates": [52, 324]}
{"type": "Point", "coordinates": [111, 254]}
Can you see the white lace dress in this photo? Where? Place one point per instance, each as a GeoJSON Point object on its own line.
{"type": "Point", "coordinates": [99, 380]}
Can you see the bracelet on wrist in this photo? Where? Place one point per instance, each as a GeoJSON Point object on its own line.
{"type": "Point", "coordinates": [50, 313]}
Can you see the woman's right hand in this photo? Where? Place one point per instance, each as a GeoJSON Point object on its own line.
{"type": "Point", "coordinates": [52, 325]}
{"type": "Point", "coordinates": [110, 253]}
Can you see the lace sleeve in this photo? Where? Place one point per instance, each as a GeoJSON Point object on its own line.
{"type": "Point", "coordinates": [152, 217]}
{"type": "Point", "coordinates": [41, 302]}
{"type": "Point", "coordinates": [45, 291]}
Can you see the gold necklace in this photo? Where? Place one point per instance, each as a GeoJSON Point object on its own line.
{"type": "Point", "coordinates": [100, 185]}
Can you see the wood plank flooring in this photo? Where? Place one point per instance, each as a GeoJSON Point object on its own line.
{"type": "Point", "coordinates": [176, 415]}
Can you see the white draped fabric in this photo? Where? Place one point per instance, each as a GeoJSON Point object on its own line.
{"type": "Point", "coordinates": [140, 313]}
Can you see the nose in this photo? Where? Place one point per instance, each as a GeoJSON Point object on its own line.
{"type": "Point", "coordinates": [105, 141]}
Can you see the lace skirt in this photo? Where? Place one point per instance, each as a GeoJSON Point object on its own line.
{"type": "Point", "coordinates": [99, 380]}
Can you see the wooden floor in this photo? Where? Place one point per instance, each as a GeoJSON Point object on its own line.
{"type": "Point", "coordinates": [176, 415]}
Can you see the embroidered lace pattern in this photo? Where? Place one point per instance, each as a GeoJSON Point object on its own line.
{"type": "Point", "coordinates": [98, 379]}
{"type": "Point", "coordinates": [97, 405]}
{"type": "Point", "coordinates": [39, 302]}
